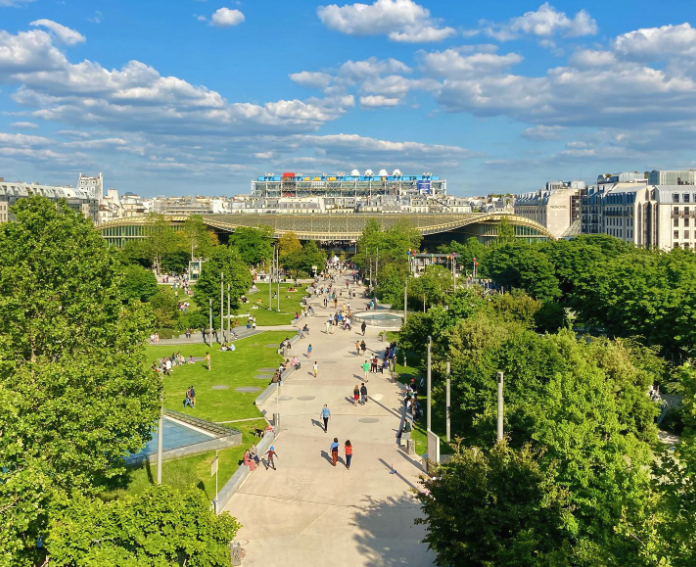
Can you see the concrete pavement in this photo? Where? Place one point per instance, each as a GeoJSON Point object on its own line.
{"type": "Point", "coordinates": [308, 512]}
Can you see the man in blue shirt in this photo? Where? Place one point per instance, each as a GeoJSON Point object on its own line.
{"type": "Point", "coordinates": [326, 416]}
{"type": "Point", "coordinates": [334, 451]}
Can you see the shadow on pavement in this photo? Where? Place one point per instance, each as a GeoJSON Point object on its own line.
{"type": "Point", "coordinates": [396, 473]}
{"type": "Point", "coordinates": [386, 535]}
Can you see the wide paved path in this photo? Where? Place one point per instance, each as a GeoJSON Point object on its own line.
{"type": "Point", "coordinates": [309, 513]}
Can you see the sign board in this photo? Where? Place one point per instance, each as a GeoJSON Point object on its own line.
{"type": "Point", "coordinates": [433, 448]}
{"type": "Point", "coordinates": [423, 186]}
{"type": "Point", "coordinates": [214, 466]}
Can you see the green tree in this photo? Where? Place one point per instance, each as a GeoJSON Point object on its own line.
{"type": "Point", "coordinates": [520, 265]}
{"type": "Point", "coordinates": [76, 393]}
{"type": "Point", "coordinates": [137, 251]}
{"type": "Point", "coordinates": [158, 527]}
{"type": "Point", "coordinates": [496, 508]}
{"type": "Point", "coordinates": [225, 260]}
{"type": "Point", "coordinates": [506, 232]}
{"type": "Point", "coordinates": [138, 283]}
{"type": "Point", "coordinates": [197, 238]}
{"type": "Point", "coordinates": [310, 256]}
{"type": "Point", "coordinates": [430, 286]}
{"type": "Point", "coordinates": [465, 254]}
{"type": "Point", "coordinates": [161, 238]}
{"type": "Point", "coordinates": [255, 245]}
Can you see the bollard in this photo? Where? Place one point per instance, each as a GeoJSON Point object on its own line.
{"type": "Point", "coordinates": [236, 553]}
{"type": "Point", "coordinates": [411, 446]}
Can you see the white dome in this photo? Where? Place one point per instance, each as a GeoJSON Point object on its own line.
{"type": "Point", "coordinates": [397, 173]}
{"type": "Point", "coordinates": [382, 173]}
{"type": "Point", "coordinates": [369, 173]}
{"type": "Point", "coordinates": [355, 173]}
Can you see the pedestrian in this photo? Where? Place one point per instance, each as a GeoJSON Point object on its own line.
{"type": "Point", "coordinates": [334, 451]}
{"type": "Point", "coordinates": [309, 351]}
{"type": "Point", "coordinates": [315, 368]}
{"type": "Point", "coordinates": [249, 461]}
{"type": "Point", "coordinates": [363, 327]}
{"type": "Point", "coordinates": [356, 394]}
{"type": "Point", "coordinates": [363, 393]}
{"type": "Point", "coordinates": [187, 399]}
{"type": "Point", "coordinates": [357, 347]}
{"type": "Point", "coordinates": [193, 397]}
{"type": "Point", "coordinates": [366, 369]}
{"type": "Point", "coordinates": [207, 360]}
{"type": "Point", "coordinates": [363, 347]}
{"type": "Point", "coordinates": [349, 453]}
{"type": "Point", "coordinates": [270, 454]}
{"type": "Point", "coordinates": [326, 416]}
{"type": "Point", "coordinates": [328, 326]}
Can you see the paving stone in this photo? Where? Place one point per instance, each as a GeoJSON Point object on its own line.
{"type": "Point", "coordinates": [368, 420]}
{"type": "Point", "coordinates": [248, 389]}
{"type": "Point", "coordinates": [221, 387]}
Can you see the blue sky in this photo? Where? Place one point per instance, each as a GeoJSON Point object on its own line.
{"type": "Point", "coordinates": [197, 97]}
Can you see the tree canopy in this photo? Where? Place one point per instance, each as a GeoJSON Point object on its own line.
{"type": "Point", "coordinates": [255, 245]}
{"type": "Point", "coordinates": [224, 260]}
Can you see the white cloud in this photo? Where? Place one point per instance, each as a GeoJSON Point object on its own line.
{"type": "Point", "coordinates": [28, 51]}
{"type": "Point", "coordinates": [544, 22]}
{"type": "Point", "coordinates": [355, 71]}
{"type": "Point", "coordinates": [97, 18]}
{"type": "Point", "coordinates": [592, 58]}
{"type": "Point", "coordinates": [225, 18]}
{"type": "Point", "coordinates": [378, 101]}
{"type": "Point", "coordinates": [65, 34]}
{"type": "Point", "coordinates": [24, 125]}
{"type": "Point", "coordinates": [311, 79]}
{"type": "Point", "coordinates": [15, 2]}
{"type": "Point", "coordinates": [451, 63]}
{"type": "Point", "coordinates": [400, 20]}
{"type": "Point", "coordinates": [657, 43]}
{"type": "Point", "coordinates": [263, 155]}
{"type": "Point", "coordinates": [543, 133]}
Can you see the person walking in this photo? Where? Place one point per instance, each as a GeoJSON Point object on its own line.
{"type": "Point", "coordinates": [309, 351]}
{"type": "Point", "coordinates": [193, 397]}
{"type": "Point", "coordinates": [326, 416]}
{"type": "Point", "coordinates": [315, 368]}
{"type": "Point", "coordinates": [363, 393]}
{"type": "Point", "coordinates": [357, 348]}
{"type": "Point", "coordinates": [334, 451]}
{"type": "Point", "coordinates": [363, 347]}
{"type": "Point", "coordinates": [349, 453]}
{"type": "Point", "coordinates": [363, 327]}
{"type": "Point", "coordinates": [366, 369]}
{"type": "Point", "coordinates": [356, 394]}
{"type": "Point", "coordinates": [207, 360]}
{"type": "Point", "coordinates": [271, 453]}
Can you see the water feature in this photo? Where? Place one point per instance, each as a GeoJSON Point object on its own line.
{"type": "Point", "coordinates": [379, 319]}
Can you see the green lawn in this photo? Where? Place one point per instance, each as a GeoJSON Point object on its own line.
{"type": "Point", "coordinates": [233, 369]}
{"type": "Point", "coordinates": [289, 305]}
{"type": "Point", "coordinates": [190, 471]}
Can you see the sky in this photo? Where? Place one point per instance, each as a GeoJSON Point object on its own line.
{"type": "Point", "coordinates": [184, 97]}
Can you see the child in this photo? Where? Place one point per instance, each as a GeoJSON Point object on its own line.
{"type": "Point", "coordinates": [315, 368]}
{"type": "Point", "coordinates": [270, 454]}
{"type": "Point", "coordinates": [309, 351]}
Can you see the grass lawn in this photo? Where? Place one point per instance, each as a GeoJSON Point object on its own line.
{"type": "Point", "coordinates": [189, 471]}
{"type": "Point", "coordinates": [233, 369]}
{"type": "Point", "coordinates": [289, 304]}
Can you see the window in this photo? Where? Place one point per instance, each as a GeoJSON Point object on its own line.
{"type": "Point", "coordinates": [676, 235]}
{"type": "Point", "coordinates": [687, 197]}
{"type": "Point", "coordinates": [676, 222]}
{"type": "Point", "coordinates": [675, 211]}
{"type": "Point", "coordinates": [686, 221]}
{"type": "Point", "coordinates": [675, 197]}
{"type": "Point", "coordinates": [686, 235]}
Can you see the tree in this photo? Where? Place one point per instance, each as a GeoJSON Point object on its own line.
{"type": "Point", "coordinates": [158, 527]}
{"type": "Point", "coordinates": [255, 245]}
{"type": "Point", "coordinates": [161, 238]}
{"type": "Point", "coordinates": [137, 251]}
{"type": "Point", "coordinates": [76, 395]}
{"type": "Point", "coordinates": [311, 256]}
{"type": "Point", "coordinates": [465, 254]}
{"type": "Point", "coordinates": [197, 238]}
{"type": "Point", "coordinates": [225, 260]}
{"type": "Point", "coordinates": [506, 232]}
{"type": "Point", "coordinates": [496, 508]}
{"type": "Point", "coordinates": [520, 265]}
{"type": "Point", "coordinates": [138, 283]}
{"type": "Point", "coordinates": [430, 286]}
{"type": "Point", "coordinates": [288, 247]}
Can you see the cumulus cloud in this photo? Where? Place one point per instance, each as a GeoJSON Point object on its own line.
{"type": "Point", "coordinates": [378, 101]}
{"type": "Point", "coordinates": [400, 20]}
{"type": "Point", "coordinates": [453, 63]}
{"type": "Point", "coordinates": [543, 23]}
{"type": "Point", "coordinates": [543, 133]}
{"type": "Point", "coordinates": [654, 44]}
{"type": "Point", "coordinates": [311, 79]}
{"type": "Point", "coordinates": [25, 125]}
{"type": "Point", "coordinates": [63, 33]}
{"type": "Point", "coordinates": [592, 58]}
{"type": "Point", "coordinates": [355, 71]}
{"type": "Point", "coordinates": [225, 18]}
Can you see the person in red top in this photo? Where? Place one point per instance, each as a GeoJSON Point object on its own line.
{"type": "Point", "coordinates": [349, 453]}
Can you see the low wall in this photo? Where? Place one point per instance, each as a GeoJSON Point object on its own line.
{"type": "Point", "coordinates": [264, 396]}
{"type": "Point", "coordinates": [238, 478]}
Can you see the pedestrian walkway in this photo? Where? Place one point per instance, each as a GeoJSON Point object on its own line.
{"type": "Point", "coordinates": [308, 512]}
